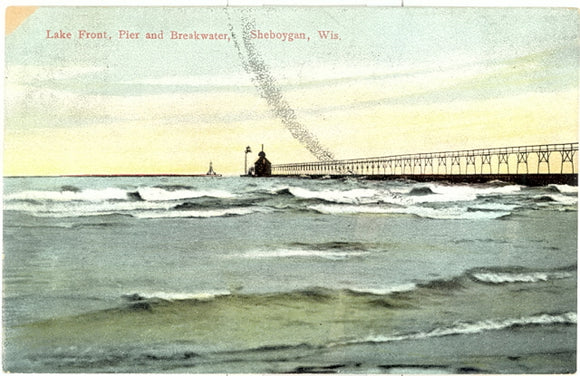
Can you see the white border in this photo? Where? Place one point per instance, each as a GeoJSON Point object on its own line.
{"type": "Point", "coordinates": [220, 3]}
{"type": "Point", "coordinates": [318, 3]}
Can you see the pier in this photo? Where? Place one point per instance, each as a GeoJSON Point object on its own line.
{"type": "Point", "coordinates": [531, 165]}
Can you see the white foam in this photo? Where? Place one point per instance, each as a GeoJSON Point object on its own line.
{"type": "Point", "coordinates": [156, 203]}
{"type": "Point", "coordinates": [159, 194]}
{"type": "Point", "coordinates": [348, 197]}
{"type": "Point", "coordinates": [200, 213]}
{"type": "Point", "coordinates": [401, 195]}
{"type": "Point", "coordinates": [307, 253]}
{"type": "Point", "coordinates": [473, 328]}
{"type": "Point", "coordinates": [452, 193]}
{"type": "Point", "coordinates": [84, 195]}
{"type": "Point", "coordinates": [386, 290]}
{"type": "Point", "coordinates": [84, 209]}
{"type": "Point", "coordinates": [457, 213]}
{"type": "Point", "coordinates": [175, 296]}
{"type": "Point", "coordinates": [566, 188]}
{"type": "Point", "coordinates": [424, 212]}
{"type": "Point", "coordinates": [107, 194]}
{"type": "Point", "coordinates": [558, 199]}
{"type": "Point", "coordinates": [533, 277]}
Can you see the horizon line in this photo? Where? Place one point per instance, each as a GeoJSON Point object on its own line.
{"type": "Point", "coordinates": [116, 175]}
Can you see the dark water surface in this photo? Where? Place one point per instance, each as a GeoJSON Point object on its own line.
{"type": "Point", "coordinates": [235, 275]}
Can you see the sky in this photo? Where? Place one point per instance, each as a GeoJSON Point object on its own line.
{"type": "Point", "coordinates": [394, 81]}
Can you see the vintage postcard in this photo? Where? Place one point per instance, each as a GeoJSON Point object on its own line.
{"type": "Point", "coordinates": [238, 189]}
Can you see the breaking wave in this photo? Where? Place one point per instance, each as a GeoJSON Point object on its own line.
{"type": "Point", "coordinates": [530, 277]}
{"type": "Point", "coordinates": [70, 194]}
{"type": "Point", "coordinates": [336, 251]}
{"type": "Point", "coordinates": [190, 322]}
{"type": "Point", "coordinates": [340, 196]}
{"type": "Point", "coordinates": [461, 328]}
{"type": "Point", "coordinates": [431, 201]}
{"type": "Point", "coordinates": [454, 212]}
{"type": "Point", "coordinates": [163, 194]}
{"type": "Point", "coordinates": [226, 212]}
{"type": "Point", "coordinates": [506, 275]}
{"type": "Point", "coordinates": [292, 253]}
{"type": "Point", "coordinates": [401, 293]}
{"type": "Point", "coordinates": [175, 296]}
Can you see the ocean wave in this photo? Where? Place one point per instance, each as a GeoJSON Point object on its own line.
{"type": "Point", "coordinates": [213, 202]}
{"type": "Point", "coordinates": [421, 191]}
{"type": "Point", "coordinates": [137, 209]}
{"type": "Point", "coordinates": [565, 189]}
{"type": "Point", "coordinates": [161, 300]}
{"type": "Point", "coordinates": [489, 276]}
{"type": "Point", "coordinates": [493, 207]}
{"type": "Point", "coordinates": [175, 187]}
{"type": "Point", "coordinates": [72, 210]}
{"type": "Point", "coordinates": [384, 291]}
{"type": "Point", "coordinates": [336, 251]}
{"type": "Point", "coordinates": [165, 309]}
{"type": "Point", "coordinates": [459, 193]}
{"type": "Point", "coordinates": [340, 245]}
{"type": "Point", "coordinates": [461, 328]}
{"type": "Point", "coordinates": [280, 191]}
{"type": "Point", "coordinates": [558, 198]}
{"type": "Point", "coordinates": [72, 194]}
{"type": "Point", "coordinates": [355, 209]}
{"type": "Point", "coordinates": [430, 201]}
{"type": "Point", "coordinates": [498, 276]}
{"type": "Point", "coordinates": [150, 213]}
{"type": "Point", "coordinates": [226, 212]}
{"type": "Point", "coordinates": [174, 296]}
{"type": "Point", "coordinates": [293, 253]}
{"type": "Point", "coordinates": [340, 196]}
{"type": "Point", "coordinates": [173, 194]}
{"type": "Point", "coordinates": [395, 296]}
{"type": "Point", "coordinates": [400, 196]}
{"type": "Point", "coordinates": [93, 195]}
{"type": "Point", "coordinates": [454, 212]}
{"type": "Point", "coordinates": [529, 277]}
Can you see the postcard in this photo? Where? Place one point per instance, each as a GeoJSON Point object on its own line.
{"type": "Point", "coordinates": [290, 189]}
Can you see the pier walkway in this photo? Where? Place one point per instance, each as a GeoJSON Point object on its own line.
{"type": "Point", "coordinates": [528, 165]}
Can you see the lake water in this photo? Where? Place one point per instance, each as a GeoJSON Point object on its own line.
{"type": "Point", "coordinates": [233, 274]}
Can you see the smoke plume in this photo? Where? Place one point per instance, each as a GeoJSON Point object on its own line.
{"type": "Point", "coordinates": [268, 89]}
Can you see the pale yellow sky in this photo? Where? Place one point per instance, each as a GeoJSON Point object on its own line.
{"type": "Point", "coordinates": [114, 107]}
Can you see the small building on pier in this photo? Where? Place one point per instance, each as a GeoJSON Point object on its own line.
{"type": "Point", "coordinates": [262, 167]}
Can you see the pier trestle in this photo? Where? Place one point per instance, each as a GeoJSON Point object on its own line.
{"type": "Point", "coordinates": [464, 165]}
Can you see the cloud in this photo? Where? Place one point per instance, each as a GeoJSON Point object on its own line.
{"type": "Point", "coordinates": [58, 96]}
{"type": "Point", "coordinates": [34, 107]}
{"type": "Point", "coordinates": [38, 73]}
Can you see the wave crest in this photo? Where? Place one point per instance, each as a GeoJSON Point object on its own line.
{"type": "Point", "coordinates": [174, 296]}
{"type": "Point", "coordinates": [529, 277]}
{"type": "Point", "coordinates": [460, 328]}
{"type": "Point", "coordinates": [455, 212]}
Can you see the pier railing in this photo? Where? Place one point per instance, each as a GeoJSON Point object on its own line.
{"type": "Point", "coordinates": [533, 159]}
